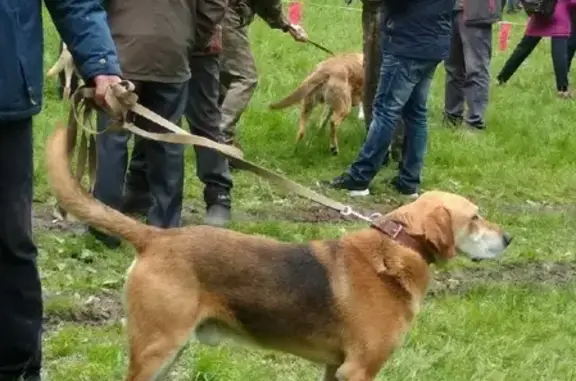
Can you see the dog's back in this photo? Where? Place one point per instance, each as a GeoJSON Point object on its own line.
{"type": "Point", "coordinates": [333, 73]}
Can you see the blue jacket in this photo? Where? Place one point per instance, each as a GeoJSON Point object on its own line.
{"type": "Point", "coordinates": [418, 29]}
{"type": "Point", "coordinates": [82, 25]}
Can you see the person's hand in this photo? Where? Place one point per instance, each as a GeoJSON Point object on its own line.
{"type": "Point", "coordinates": [102, 83]}
{"type": "Point", "coordinates": [298, 33]}
{"type": "Point", "coordinates": [215, 43]}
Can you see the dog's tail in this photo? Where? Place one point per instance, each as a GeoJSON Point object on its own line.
{"type": "Point", "coordinates": [78, 202]}
{"type": "Point", "coordinates": [56, 68]}
{"type": "Point", "coordinates": [306, 87]}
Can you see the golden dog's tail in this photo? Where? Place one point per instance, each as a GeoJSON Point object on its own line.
{"type": "Point", "coordinates": [82, 205]}
{"type": "Point", "coordinates": [56, 68]}
{"type": "Point", "coordinates": [309, 84]}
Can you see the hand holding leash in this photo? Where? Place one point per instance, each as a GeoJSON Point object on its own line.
{"type": "Point", "coordinates": [298, 33]}
{"type": "Point", "coordinates": [102, 84]}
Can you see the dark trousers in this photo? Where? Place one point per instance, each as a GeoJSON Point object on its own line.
{"type": "Point", "coordinates": [165, 161]}
{"type": "Point", "coordinates": [467, 71]}
{"type": "Point", "coordinates": [525, 48]}
{"type": "Point", "coordinates": [203, 117]}
{"type": "Point", "coordinates": [20, 289]}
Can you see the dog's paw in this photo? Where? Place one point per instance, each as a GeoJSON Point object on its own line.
{"type": "Point", "coordinates": [334, 151]}
{"type": "Point", "coordinates": [361, 114]}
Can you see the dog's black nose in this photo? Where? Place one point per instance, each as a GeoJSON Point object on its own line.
{"type": "Point", "coordinates": [507, 239]}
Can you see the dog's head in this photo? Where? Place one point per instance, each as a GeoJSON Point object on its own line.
{"type": "Point", "coordinates": [447, 223]}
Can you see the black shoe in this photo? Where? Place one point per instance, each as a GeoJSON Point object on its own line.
{"type": "Point", "coordinates": [217, 215]}
{"type": "Point", "coordinates": [344, 182]}
{"type": "Point", "coordinates": [477, 126]}
{"type": "Point", "coordinates": [452, 120]}
{"type": "Point", "coordinates": [218, 206]}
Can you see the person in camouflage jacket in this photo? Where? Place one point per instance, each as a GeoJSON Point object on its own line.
{"type": "Point", "coordinates": [238, 76]}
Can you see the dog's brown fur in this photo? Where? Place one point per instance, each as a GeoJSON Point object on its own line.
{"type": "Point", "coordinates": [345, 303]}
{"type": "Point", "coordinates": [65, 63]}
{"type": "Point", "coordinates": [337, 82]}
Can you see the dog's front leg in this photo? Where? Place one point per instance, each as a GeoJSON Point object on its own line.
{"type": "Point", "coordinates": [356, 371]}
{"type": "Point", "coordinates": [330, 373]}
{"type": "Point", "coordinates": [363, 365]}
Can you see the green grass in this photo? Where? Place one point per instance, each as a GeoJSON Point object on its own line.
{"type": "Point", "coordinates": [520, 171]}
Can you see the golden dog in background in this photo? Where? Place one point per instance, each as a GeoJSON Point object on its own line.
{"type": "Point", "coordinates": [337, 82]}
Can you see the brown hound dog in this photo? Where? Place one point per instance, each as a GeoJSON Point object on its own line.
{"type": "Point", "coordinates": [345, 303]}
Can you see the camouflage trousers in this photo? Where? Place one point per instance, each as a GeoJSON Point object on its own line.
{"type": "Point", "coordinates": [372, 14]}
{"type": "Point", "coordinates": [238, 75]}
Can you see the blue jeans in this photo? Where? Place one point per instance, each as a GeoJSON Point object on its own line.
{"type": "Point", "coordinates": [402, 93]}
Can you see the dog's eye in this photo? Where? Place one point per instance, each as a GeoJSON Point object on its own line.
{"type": "Point", "coordinates": [475, 217]}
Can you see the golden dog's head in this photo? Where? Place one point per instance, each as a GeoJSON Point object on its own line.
{"type": "Point", "coordinates": [448, 223]}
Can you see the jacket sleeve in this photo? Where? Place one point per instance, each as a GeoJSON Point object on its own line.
{"type": "Point", "coordinates": [209, 14]}
{"type": "Point", "coordinates": [83, 26]}
{"type": "Point", "coordinates": [271, 12]}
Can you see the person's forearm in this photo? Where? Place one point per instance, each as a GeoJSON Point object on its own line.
{"type": "Point", "coordinates": [83, 26]}
{"type": "Point", "coordinates": [272, 14]}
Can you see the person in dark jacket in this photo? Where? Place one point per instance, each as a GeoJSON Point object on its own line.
{"type": "Point", "coordinates": [82, 25]}
{"type": "Point", "coordinates": [415, 39]}
{"type": "Point", "coordinates": [203, 116]}
{"type": "Point", "coordinates": [468, 65]}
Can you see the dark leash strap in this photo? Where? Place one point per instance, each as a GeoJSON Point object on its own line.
{"type": "Point", "coordinates": [317, 45]}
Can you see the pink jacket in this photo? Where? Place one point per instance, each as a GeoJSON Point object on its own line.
{"type": "Point", "coordinates": [558, 25]}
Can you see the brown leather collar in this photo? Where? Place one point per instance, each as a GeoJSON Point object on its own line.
{"type": "Point", "coordinates": [396, 231]}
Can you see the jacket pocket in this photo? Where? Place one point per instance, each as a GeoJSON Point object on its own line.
{"type": "Point", "coordinates": [482, 12]}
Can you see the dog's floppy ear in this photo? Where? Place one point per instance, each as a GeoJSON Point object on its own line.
{"type": "Point", "coordinates": [439, 233]}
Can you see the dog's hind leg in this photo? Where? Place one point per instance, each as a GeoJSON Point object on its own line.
{"type": "Point", "coordinates": [326, 117]}
{"type": "Point", "coordinates": [341, 111]}
{"type": "Point", "coordinates": [306, 109]}
{"type": "Point", "coordinates": [161, 315]}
